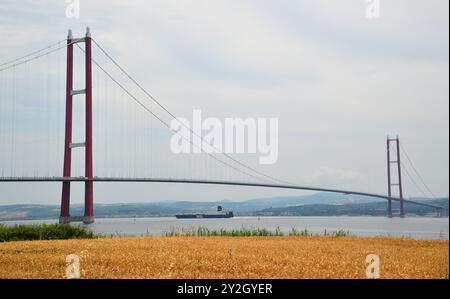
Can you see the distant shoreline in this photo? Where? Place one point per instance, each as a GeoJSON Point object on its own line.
{"type": "Point", "coordinates": [312, 205]}
{"type": "Point", "coordinates": [237, 216]}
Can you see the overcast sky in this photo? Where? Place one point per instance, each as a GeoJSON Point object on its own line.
{"type": "Point", "coordinates": [338, 82]}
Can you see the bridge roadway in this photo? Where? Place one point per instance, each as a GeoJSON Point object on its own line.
{"type": "Point", "coordinates": [210, 182]}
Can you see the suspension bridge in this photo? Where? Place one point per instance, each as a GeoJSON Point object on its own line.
{"type": "Point", "coordinates": [43, 140]}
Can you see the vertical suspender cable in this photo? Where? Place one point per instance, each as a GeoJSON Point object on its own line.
{"type": "Point", "coordinates": [2, 154]}
{"type": "Point", "coordinates": [105, 88]}
{"type": "Point", "coordinates": [13, 121]}
{"type": "Point", "coordinates": [135, 139]}
{"type": "Point", "coordinates": [49, 117]}
{"type": "Point", "coordinates": [151, 144]}
{"type": "Point", "coordinates": [113, 128]}
{"type": "Point", "coordinates": [26, 139]}
{"type": "Point", "coordinates": [59, 98]}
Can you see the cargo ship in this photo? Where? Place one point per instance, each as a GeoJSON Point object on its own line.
{"type": "Point", "coordinates": [219, 213]}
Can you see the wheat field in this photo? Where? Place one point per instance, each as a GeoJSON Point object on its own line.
{"type": "Point", "coordinates": [226, 257]}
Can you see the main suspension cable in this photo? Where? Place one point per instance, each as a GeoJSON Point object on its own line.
{"type": "Point", "coordinates": [33, 58]}
{"type": "Point", "coordinates": [32, 53]}
{"type": "Point", "coordinates": [184, 125]}
{"type": "Point", "coordinates": [161, 120]}
{"type": "Point", "coordinates": [417, 172]}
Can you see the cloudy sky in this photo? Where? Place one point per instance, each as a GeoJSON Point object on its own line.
{"type": "Point", "coordinates": [338, 82]}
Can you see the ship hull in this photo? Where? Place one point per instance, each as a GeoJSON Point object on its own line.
{"type": "Point", "coordinates": [203, 216]}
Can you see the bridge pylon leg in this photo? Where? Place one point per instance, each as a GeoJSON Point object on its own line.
{"type": "Point", "coordinates": [389, 206]}
{"type": "Point", "coordinates": [65, 196]}
{"type": "Point", "coordinates": [89, 185]}
{"type": "Point", "coordinates": [400, 186]}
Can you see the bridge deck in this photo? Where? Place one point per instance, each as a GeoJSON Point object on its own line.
{"type": "Point", "coordinates": [207, 182]}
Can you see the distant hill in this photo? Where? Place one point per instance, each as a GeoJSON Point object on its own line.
{"type": "Point", "coordinates": [318, 198]}
{"type": "Point", "coordinates": [35, 212]}
{"type": "Point", "coordinates": [256, 204]}
{"type": "Point", "coordinates": [360, 209]}
{"type": "Point", "coordinates": [326, 204]}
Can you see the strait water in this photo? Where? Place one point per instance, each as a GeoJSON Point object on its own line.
{"type": "Point", "coordinates": [413, 227]}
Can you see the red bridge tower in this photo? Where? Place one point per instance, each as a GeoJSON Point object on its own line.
{"type": "Point", "coordinates": [68, 144]}
{"type": "Point", "coordinates": [399, 175]}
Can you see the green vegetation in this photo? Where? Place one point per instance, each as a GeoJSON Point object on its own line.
{"type": "Point", "coordinates": [43, 232]}
{"type": "Point", "coordinates": [340, 233]}
{"type": "Point", "coordinates": [66, 231]}
{"type": "Point", "coordinates": [247, 232]}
